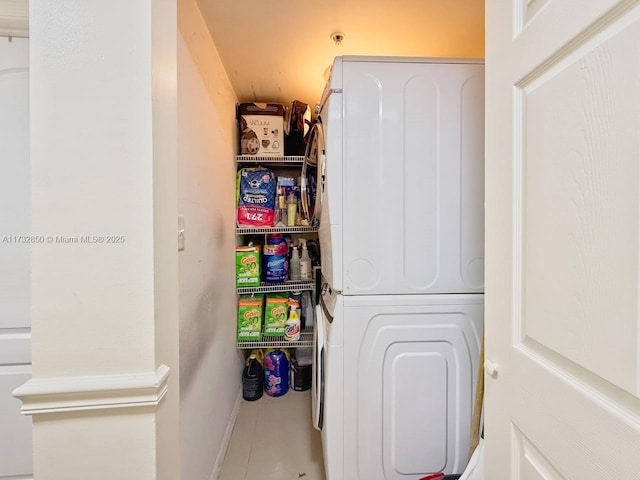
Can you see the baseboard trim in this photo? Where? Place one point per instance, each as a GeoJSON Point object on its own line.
{"type": "Point", "coordinates": [217, 468]}
{"type": "Point", "coordinates": [67, 394]}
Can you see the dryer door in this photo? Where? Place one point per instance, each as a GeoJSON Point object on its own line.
{"type": "Point", "coordinates": [317, 385]}
{"type": "Point", "coordinates": [314, 165]}
{"type": "Point", "coordinates": [410, 366]}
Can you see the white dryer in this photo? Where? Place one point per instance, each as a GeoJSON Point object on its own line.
{"type": "Point", "coordinates": [402, 180]}
{"type": "Point", "coordinates": [394, 382]}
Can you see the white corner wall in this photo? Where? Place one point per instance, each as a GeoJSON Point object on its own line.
{"type": "Point", "coordinates": [15, 188]}
{"type": "Point", "coordinates": [164, 114]}
{"type": "Point", "coordinates": [209, 363]}
{"type": "Point", "coordinates": [15, 258]}
{"type": "Point", "coordinates": [103, 157]}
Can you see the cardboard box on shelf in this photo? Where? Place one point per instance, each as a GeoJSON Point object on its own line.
{"type": "Point", "coordinates": [261, 129]}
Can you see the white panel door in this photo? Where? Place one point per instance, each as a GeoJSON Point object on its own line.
{"type": "Point", "coordinates": [562, 241]}
{"type": "Point", "coordinates": [15, 331]}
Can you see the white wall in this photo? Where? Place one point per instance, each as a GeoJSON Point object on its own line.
{"type": "Point", "coordinates": [14, 184]}
{"type": "Point", "coordinates": [91, 174]}
{"type": "Point", "coordinates": [210, 366]}
{"type": "Point", "coordinates": [103, 156]}
{"type": "Point", "coordinates": [15, 219]}
{"type": "Point", "coordinates": [164, 82]}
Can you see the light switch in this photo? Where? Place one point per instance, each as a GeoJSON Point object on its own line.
{"type": "Point", "coordinates": [180, 233]}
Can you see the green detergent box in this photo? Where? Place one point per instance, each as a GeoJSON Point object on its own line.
{"type": "Point", "coordinates": [248, 266]}
{"type": "Point", "coordinates": [250, 317]}
{"type": "Point", "coordinates": [275, 314]}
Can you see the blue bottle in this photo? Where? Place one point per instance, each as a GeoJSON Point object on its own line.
{"type": "Point", "coordinates": [276, 373]}
{"type": "Point", "coordinates": [276, 262]}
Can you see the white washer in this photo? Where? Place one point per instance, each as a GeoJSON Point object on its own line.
{"type": "Point", "coordinates": [402, 211]}
{"type": "Point", "coordinates": [327, 386]}
{"type": "Point", "coordinates": [394, 383]}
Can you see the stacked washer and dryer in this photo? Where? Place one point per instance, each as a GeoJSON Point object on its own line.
{"type": "Point", "coordinates": [399, 148]}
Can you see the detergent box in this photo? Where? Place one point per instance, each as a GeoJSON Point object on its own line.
{"type": "Point", "coordinates": [248, 266]}
{"type": "Point", "coordinates": [275, 314]}
{"type": "Point", "coordinates": [250, 317]}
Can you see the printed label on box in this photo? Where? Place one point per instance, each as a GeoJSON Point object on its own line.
{"type": "Point", "coordinates": [261, 129]}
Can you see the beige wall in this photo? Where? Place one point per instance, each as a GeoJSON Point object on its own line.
{"type": "Point", "coordinates": [210, 365]}
{"type": "Point", "coordinates": [104, 313]}
{"type": "Point", "coordinates": [91, 174]}
{"type": "Point", "coordinates": [164, 80]}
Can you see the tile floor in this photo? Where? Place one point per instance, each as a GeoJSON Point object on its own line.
{"type": "Point", "coordinates": [273, 439]}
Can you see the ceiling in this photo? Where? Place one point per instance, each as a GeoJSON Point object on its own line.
{"type": "Point", "coordinates": [279, 50]}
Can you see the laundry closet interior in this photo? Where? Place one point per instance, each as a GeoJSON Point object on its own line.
{"type": "Point", "coordinates": [379, 184]}
{"type": "Point", "coordinates": [159, 229]}
{"type": "Point", "coordinates": [370, 156]}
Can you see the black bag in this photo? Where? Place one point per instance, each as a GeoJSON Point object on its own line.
{"type": "Point", "coordinates": [297, 126]}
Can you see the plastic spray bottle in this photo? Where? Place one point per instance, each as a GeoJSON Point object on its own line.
{"type": "Point", "coordinates": [305, 263]}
